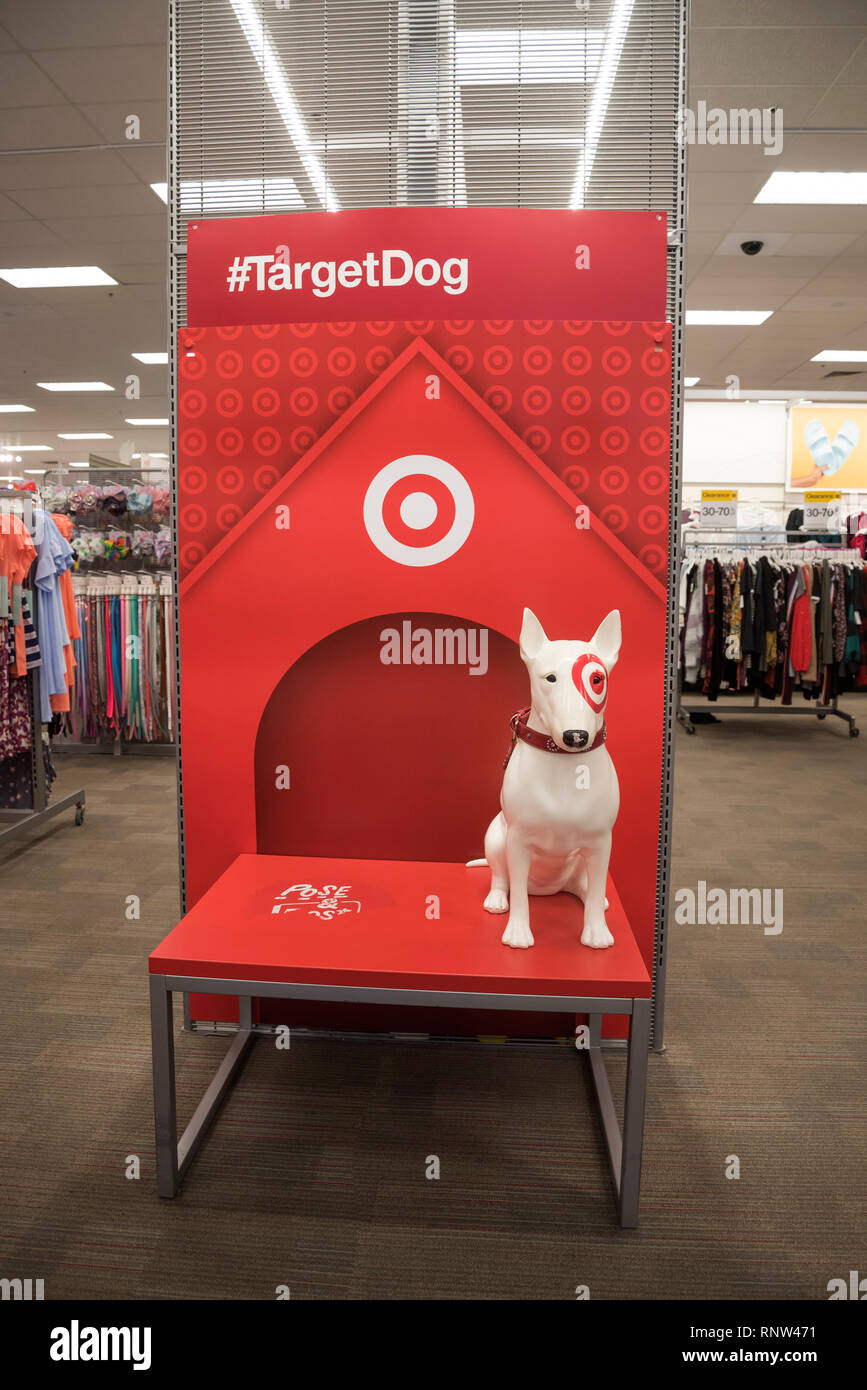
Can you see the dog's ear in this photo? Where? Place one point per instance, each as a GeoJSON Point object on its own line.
{"type": "Point", "coordinates": [605, 642]}
{"type": "Point", "coordinates": [533, 637]}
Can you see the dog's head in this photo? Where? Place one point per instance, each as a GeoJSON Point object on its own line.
{"type": "Point", "coordinates": [569, 680]}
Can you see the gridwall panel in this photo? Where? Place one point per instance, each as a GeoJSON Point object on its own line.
{"type": "Point", "coordinates": [300, 105]}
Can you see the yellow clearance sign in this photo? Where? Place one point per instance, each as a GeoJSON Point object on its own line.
{"type": "Point", "coordinates": [828, 447]}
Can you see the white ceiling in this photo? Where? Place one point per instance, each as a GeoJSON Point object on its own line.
{"type": "Point", "coordinates": [808, 57]}
{"type": "Point", "coordinates": [74, 190]}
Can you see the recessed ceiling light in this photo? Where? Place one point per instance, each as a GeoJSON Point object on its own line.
{"type": "Point", "coordinates": [38, 471]}
{"type": "Point", "coordinates": [840, 355]}
{"type": "Point", "coordinates": [143, 420]}
{"type": "Point", "coordinates": [98, 435]}
{"type": "Point", "coordinates": [769, 402]}
{"type": "Point", "coordinates": [75, 386]}
{"type": "Point", "coordinates": [745, 317]}
{"type": "Point", "coordinates": [151, 359]}
{"type": "Point", "coordinates": [30, 448]}
{"type": "Point", "coordinates": [49, 277]}
{"type": "Point", "coordinates": [78, 465]}
{"type": "Point", "coordinates": [802, 186]}
{"type": "Point", "coordinates": [158, 456]}
{"type": "Point", "coordinates": [691, 380]}
{"type": "Point", "coordinates": [15, 409]}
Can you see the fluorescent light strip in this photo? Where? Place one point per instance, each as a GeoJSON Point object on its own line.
{"type": "Point", "coordinates": [721, 317]}
{"type": "Point", "coordinates": [840, 355]}
{"type": "Point", "coordinates": [74, 386]}
{"type": "Point", "coordinates": [49, 277]}
{"type": "Point", "coordinates": [16, 409]}
{"type": "Point", "coordinates": [28, 448]}
{"type": "Point", "coordinates": [98, 435]}
{"type": "Point", "coordinates": [142, 420]}
{"type": "Point", "coordinates": [615, 38]}
{"type": "Point", "coordinates": [151, 359]}
{"type": "Point", "coordinates": [802, 186]}
{"type": "Point", "coordinates": [284, 99]}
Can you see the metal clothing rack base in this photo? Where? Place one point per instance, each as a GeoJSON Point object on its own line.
{"type": "Point", "coordinates": [15, 822]}
{"type": "Point", "coordinates": [812, 709]}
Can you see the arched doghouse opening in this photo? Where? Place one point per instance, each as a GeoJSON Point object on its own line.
{"type": "Point", "coordinates": [388, 759]}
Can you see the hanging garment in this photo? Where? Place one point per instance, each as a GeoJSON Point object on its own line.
{"type": "Point", "coordinates": [54, 557]}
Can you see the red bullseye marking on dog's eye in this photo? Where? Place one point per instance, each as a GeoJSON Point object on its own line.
{"type": "Point", "coordinates": [591, 681]}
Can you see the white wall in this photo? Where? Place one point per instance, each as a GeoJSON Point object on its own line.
{"type": "Point", "coordinates": [734, 444]}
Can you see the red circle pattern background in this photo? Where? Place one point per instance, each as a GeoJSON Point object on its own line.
{"type": "Point", "coordinates": [282, 397]}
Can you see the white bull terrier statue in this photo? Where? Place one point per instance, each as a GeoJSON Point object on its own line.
{"type": "Point", "coordinates": [560, 794]}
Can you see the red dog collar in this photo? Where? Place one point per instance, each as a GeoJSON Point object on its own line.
{"type": "Point", "coordinates": [520, 730]}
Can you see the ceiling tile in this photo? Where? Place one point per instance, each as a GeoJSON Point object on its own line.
{"type": "Point", "coordinates": [727, 159]}
{"type": "Point", "coordinates": [822, 151]}
{"type": "Point", "coordinates": [842, 105]}
{"type": "Point", "coordinates": [82, 23]}
{"type": "Point", "coordinates": [109, 119]}
{"type": "Point", "coordinates": [106, 74]}
{"type": "Point", "coordinates": [801, 56]}
{"type": "Point", "coordinates": [794, 99]}
{"type": "Point", "coordinates": [79, 231]}
{"type": "Point", "coordinates": [739, 187]}
{"type": "Point", "coordinates": [45, 127]}
{"type": "Point", "coordinates": [710, 217]}
{"type": "Point", "coordinates": [147, 164]}
{"type": "Point", "coordinates": [64, 173]}
{"type": "Point", "coordinates": [711, 291]}
{"type": "Point", "coordinates": [709, 14]}
{"type": "Point", "coordinates": [22, 235]}
{"type": "Point", "coordinates": [10, 211]}
{"type": "Point", "coordinates": [817, 244]}
{"type": "Point", "coordinates": [123, 199]}
{"type": "Point", "coordinates": [856, 68]}
{"type": "Point", "coordinates": [772, 217]}
{"type": "Point", "coordinates": [23, 84]}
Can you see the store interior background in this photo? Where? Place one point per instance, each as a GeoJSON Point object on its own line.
{"type": "Point", "coordinates": [760, 1053]}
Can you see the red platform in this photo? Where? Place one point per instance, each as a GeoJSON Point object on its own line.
{"type": "Point", "coordinates": [376, 933]}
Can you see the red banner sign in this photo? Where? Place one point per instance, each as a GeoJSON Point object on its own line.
{"type": "Point", "coordinates": [427, 263]}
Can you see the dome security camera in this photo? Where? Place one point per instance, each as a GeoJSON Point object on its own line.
{"type": "Point", "coordinates": [751, 248]}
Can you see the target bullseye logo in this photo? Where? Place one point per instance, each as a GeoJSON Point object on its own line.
{"type": "Point", "coordinates": [418, 510]}
{"type": "Point", "coordinates": [591, 679]}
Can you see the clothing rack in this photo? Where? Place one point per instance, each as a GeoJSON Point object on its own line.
{"type": "Point", "coordinates": [121, 700]}
{"type": "Point", "coordinates": [701, 548]}
{"type": "Point", "coordinates": [14, 821]}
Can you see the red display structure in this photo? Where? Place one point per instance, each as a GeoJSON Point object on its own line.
{"type": "Point", "coordinates": [366, 505]}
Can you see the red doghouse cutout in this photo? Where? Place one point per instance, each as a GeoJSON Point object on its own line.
{"type": "Point", "coordinates": [299, 739]}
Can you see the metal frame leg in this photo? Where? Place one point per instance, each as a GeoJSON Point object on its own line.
{"type": "Point", "coordinates": [633, 1113]}
{"type": "Point", "coordinates": [165, 1110]}
{"type": "Point", "coordinates": [624, 1150]}
{"type": "Point", "coordinates": [174, 1156]}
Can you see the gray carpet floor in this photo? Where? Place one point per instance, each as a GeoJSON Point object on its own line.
{"type": "Point", "coordinates": [314, 1176]}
